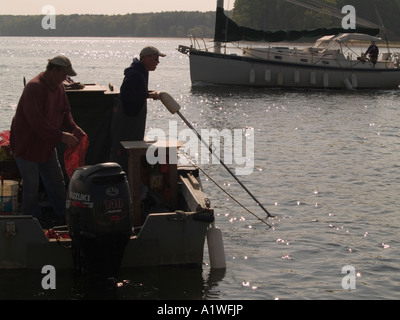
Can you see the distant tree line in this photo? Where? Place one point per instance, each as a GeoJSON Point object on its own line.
{"type": "Point", "coordinates": [164, 24]}
{"type": "Point", "coordinates": [259, 14]}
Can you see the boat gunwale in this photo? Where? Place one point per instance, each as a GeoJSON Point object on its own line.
{"type": "Point", "coordinates": [289, 64]}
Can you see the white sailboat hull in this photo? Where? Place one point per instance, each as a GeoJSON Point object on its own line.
{"type": "Point", "coordinates": [223, 69]}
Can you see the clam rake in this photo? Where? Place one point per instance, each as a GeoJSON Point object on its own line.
{"type": "Point", "coordinates": [170, 103]}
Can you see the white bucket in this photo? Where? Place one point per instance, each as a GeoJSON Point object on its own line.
{"type": "Point", "coordinates": [8, 196]}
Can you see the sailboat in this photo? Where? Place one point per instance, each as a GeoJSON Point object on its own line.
{"type": "Point", "coordinates": [331, 62]}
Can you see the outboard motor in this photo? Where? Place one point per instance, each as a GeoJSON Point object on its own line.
{"type": "Point", "coordinates": [99, 217]}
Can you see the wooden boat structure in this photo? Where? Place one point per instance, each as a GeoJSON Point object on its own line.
{"type": "Point", "coordinates": [110, 223]}
{"type": "Point", "coordinates": [332, 62]}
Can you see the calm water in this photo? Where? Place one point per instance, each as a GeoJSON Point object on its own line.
{"type": "Point", "coordinates": [326, 166]}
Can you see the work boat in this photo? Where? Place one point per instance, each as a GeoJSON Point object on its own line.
{"type": "Point", "coordinates": [332, 62]}
{"type": "Point", "coordinates": [152, 215]}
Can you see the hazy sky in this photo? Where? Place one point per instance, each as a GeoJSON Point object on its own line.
{"type": "Point", "coordinates": [33, 7]}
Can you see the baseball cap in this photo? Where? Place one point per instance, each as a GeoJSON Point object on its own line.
{"type": "Point", "coordinates": [148, 51]}
{"type": "Point", "coordinates": [63, 61]}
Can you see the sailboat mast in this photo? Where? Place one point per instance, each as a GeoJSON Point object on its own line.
{"type": "Point", "coordinates": [217, 44]}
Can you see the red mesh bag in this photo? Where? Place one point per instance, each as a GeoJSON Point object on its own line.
{"type": "Point", "coordinates": [75, 157]}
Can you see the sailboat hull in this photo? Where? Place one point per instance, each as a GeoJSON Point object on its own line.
{"type": "Point", "coordinates": [224, 69]}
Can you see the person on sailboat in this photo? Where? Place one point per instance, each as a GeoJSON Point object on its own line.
{"type": "Point", "coordinates": [129, 119]}
{"type": "Point", "coordinates": [372, 52]}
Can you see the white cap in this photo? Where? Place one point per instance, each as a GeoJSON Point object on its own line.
{"type": "Point", "coordinates": [148, 51]}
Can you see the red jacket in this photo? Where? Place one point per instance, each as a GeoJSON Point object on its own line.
{"type": "Point", "coordinates": [41, 114]}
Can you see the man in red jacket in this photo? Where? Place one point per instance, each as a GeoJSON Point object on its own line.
{"type": "Point", "coordinates": [42, 113]}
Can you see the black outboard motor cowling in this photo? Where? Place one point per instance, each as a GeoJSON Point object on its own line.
{"type": "Point", "coordinates": [99, 217]}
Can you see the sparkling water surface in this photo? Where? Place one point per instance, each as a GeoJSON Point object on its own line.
{"type": "Point", "coordinates": [326, 166]}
